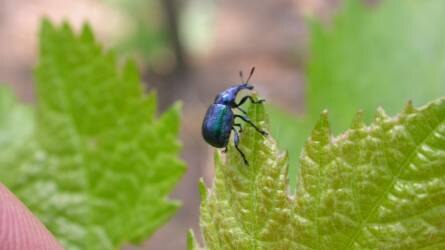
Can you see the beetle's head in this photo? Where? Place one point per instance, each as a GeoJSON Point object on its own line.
{"type": "Point", "coordinates": [228, 96]}
{"type": "Point", "coordinates": [246, 86]}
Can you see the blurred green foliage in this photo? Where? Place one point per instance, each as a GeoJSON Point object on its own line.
{"type": "Point", "coordinates": [370, 56]}
{"type": "Point", "coordinates": [147, 35]}
{"type": "Point", "coordinates": [197, 25]}
{"type": "Point", "coordinates": [98, 164]}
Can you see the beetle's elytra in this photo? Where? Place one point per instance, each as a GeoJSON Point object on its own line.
{"type": "Point", "coordinates": [220, 121]}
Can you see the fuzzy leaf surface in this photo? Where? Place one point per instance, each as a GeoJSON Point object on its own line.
{"type": "Point", "coordinates": [100, 164]}
{"type": "Point", "coordinates": [377, 186]}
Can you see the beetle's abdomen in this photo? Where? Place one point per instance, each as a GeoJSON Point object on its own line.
{"type": "Point", "coordinates": [217, 125]}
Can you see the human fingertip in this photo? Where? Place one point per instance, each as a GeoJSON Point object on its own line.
{"type": "Point", "coordinates": [19, 228]}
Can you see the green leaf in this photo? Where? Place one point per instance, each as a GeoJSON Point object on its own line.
{"type": "Point", "coordinates": [380, 186]}
{"type": "Point", "coordinates": [16, 120]}
{"type": "Point", "coordinates": [191, 242]}
{"type": "Point", "coordinates": [376, 56]}
{"type": "Point", "coordinates": [100, 164]}
{"type": "Point", "coordinates": [372, 56]}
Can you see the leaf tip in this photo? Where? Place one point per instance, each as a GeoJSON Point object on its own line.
{"type": "Point", "coordinates": [66, 28]}
{"type": "Point", "coordinates": [323, 122]}
{"type": "Point", "coordinates": [202, 189]}
{"type": "Point", "coordinates": [46, 23]}
{"type": "Point", "coordinates": [87, 33]}
{"type": "Point", "coordinates": [357, 121]}
{"type": "Point", "coordinates": [380, 115]}
{"type": "Point", "coordinates": [217, 158]}
{"type": "Point", "coordinates": [131, 71]}
{"type": "Point", "coordinates": [191, 240]}
{"type": "Point", "coordinates": [170, 120]}
{"type": "Point", "coordinates": [46, 27]}
{"type": "Point", "coordinates": [322, 130]}
{"type": "Point", "coordinates": [409, 108]}
{"type": "Point", "coordinates": [177, 106]}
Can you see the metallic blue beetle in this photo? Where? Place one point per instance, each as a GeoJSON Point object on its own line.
{"type": "Point", "coordinates": [219, 120]}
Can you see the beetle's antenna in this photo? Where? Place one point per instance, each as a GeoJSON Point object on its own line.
{"type": "Point", "coordinates": [241, 76]}
{"type": "Point", "coordinates": [250, 75]}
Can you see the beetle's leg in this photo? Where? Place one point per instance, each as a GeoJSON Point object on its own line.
{"type": "Point", "coordinates": [246, 119]}
{"type": "Point", "coordinates": [239, 126]}
{"type": "Point", "coordinates": [224, 150]}
{"type": "Point", "coordinates": [248, 97]}
{"type": "Point", "coordinates": [242, 110]}
{"type": "Point", "coordinates": [237, 148]}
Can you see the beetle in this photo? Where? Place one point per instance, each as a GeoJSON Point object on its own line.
{"type": "Point", "coordinates": [220, 120]}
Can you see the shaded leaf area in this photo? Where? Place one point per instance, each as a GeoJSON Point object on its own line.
{"type": "Point", "coordinates": [376, 56]}
{"type": "Point", "coordinates": [100, 164]}
{"type": "Point", "coordinates": [290, 133]}
{"type": "Point", "coordinates": [371, 56]}
{"type": "Point", "coordinates": [377, 186]}
{"type": "Point", "coordinates": [16, 126]}
{"type": "Point", "coordinates": [16, 120]}
{"type": "Point", "coordinates": [145, 33]}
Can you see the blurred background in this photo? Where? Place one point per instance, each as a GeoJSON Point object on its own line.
{"type": "Point", "coordinates": [190, 50]}
{"type": "Point", "coordinates": [187, 50]}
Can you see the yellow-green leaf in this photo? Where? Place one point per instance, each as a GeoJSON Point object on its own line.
{"type": "Point", "coordinates": [377, 186]}
{"type": "Point", "coordinates": [100, 163]}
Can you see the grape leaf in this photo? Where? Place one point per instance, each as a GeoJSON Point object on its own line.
{"type": "Point", "coordinates": [100, 164]}
{"type": "Point", "coordinates": [377, 186]}
{"type": "Point", "coordinates": [369, 57]}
